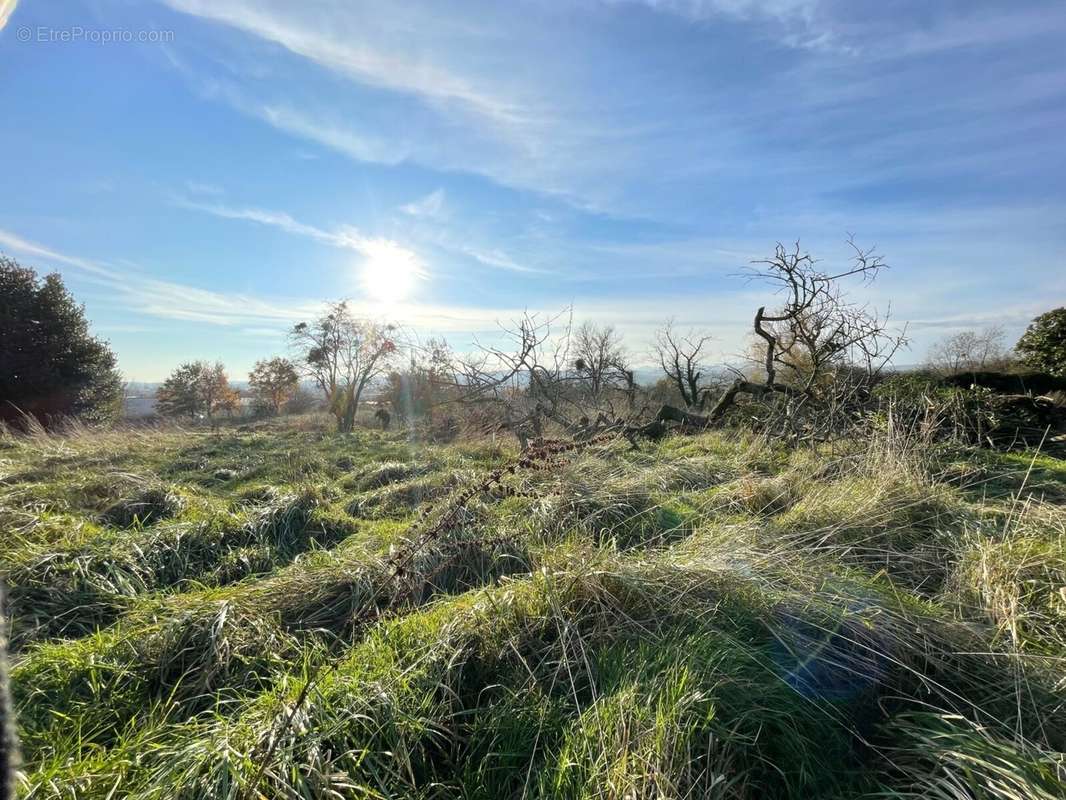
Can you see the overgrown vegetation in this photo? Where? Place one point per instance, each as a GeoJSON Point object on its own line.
{"type": "Point", "coordinates": [827, 583]}
{"type": "Point", "coordinates": [278, 611]}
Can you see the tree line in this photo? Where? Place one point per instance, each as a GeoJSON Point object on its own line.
{"type": "Point", "coordinates": [813, 348]}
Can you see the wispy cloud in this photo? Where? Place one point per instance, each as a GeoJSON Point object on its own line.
{"type": "Point", "coordinates": [499, 259]}
{"type": "Point", "coordinates": [170, 300]}
{"type": "Point", "coordinates": [16, 243]}
{"type": "Point", "coordinates": [535, 115]}
{"type": "Point", "coordinates": [796, 23]}
{"type": "Point", "coordinates": [781, 10]}
{"type": "Point", "coordinates": [426, 86]}
{"type": "Point", "coordinates": [349, 238]}
{"type": "Point", "coordinates": [432, 205]}
{"type": "Point", "coordinates": [140, 294]}
{"type": "Point", "coordinates": [833, 27]}
{"type": "Point", "coordinates": [143, 294]}
{"type": "Point", "coordinates": [335, 135]}
{"type": "Point", "coordinates": [1015, 315]}
{"type": "Point", "coordinates": [339, 42]}
{"type": "Point", "coordinates": [345, 237]}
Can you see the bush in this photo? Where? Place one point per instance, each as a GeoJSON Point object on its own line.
{"type": "Point", "coordinates": [1043, 345]}
{"type": "Point", "coordinates": [919, 402]}
{"type": "Point", "coordinates": [302, 401]}
{"type": "Point", "coordinates": [1009, 382]}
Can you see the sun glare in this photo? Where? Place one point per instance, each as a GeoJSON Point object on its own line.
{"type": "Point", "coordinates": [390, 272]}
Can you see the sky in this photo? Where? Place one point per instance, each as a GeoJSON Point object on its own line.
{"type": "Point", "coordinates": [205, 173]}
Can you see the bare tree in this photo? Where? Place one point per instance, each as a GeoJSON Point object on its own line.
{"type": "Point", "coordinates": [510, 382]}
{"type": "Point", "coordinates": [824, 347]}
{"type": "Point", "coordinates": [545, 371]}
{"type": "Point", "coordinates": [968, 351]}
{"type": "Point", "coordinates": [600, 360]}
{"type": "Point", "coordinates": [816, 331]}
{"type": "Point", "coordinates": [534, 377]}
{"type": "Point", "coordinates": [680, 356]}
{"type": "Point", "coordinates": [343, 355]}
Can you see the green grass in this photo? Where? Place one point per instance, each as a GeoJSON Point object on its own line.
{"type": "Point", "coordinates": [706, 616]}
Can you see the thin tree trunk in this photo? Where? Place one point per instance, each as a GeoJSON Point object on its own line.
{"type": "Point", "coordinates": [350, 405]}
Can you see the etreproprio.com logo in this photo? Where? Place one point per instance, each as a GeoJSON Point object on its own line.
{"type": "Point", "coordinates": [77, 33]}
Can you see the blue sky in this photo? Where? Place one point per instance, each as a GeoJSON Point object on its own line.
{"type": "Point", "coordinates": [221, 167]}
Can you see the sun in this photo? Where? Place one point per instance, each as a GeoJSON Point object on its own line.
{"type": "Point", "coordinates": [390, 272]}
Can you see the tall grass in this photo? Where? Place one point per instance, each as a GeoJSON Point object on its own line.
{"type": "Point", "coordinates": [709, 616]}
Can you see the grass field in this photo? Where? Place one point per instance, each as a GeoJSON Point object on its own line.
{"type": "Point", "coordinates": [284, 612]}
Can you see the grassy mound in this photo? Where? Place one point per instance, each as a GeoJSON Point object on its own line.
{"type": "Point", "coordinates": [148, 506]}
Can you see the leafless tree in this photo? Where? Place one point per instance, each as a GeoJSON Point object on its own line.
{"type": "Point", "coordinates": [817, 331]}
{"type": "Point", "coordinates": [681, 357]}
{"type": "Point", "coordinates": [825, 348]}
{"type": "Point", "coordinates": [968, 351]}
{"type": "Point", "coordinates": [512, 382]}
{"type": "Point", "coordinates": [533, 377]}
{"type": "Point", "coordinates": [343, 355]}
{"type": "Point", "coordinates": [600, 361]}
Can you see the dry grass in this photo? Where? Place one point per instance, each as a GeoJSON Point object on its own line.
{"type": "Point", "coordinates": [709, 616]}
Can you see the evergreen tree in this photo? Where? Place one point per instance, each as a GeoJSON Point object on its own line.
{"type": "Point", "coordinates": [50, 365]}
